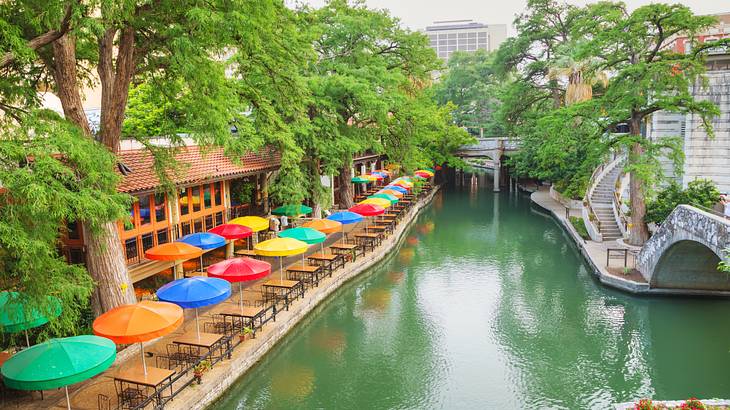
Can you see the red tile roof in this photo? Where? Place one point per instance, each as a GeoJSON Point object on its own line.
{"type": "Point", "coordinates": [195, 166]}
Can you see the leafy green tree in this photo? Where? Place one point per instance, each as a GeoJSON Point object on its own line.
{"type": "Point", "coordinates": [701, 192]}
{"type": "Point", "coordinates": [225, 63]}
{"type": "Point", "coordinates": [647, 77]}
{"type": "Point", "coordinates": [469, 83]}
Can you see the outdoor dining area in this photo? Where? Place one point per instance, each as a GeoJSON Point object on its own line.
{"type": "Point", "coordinates": [227, 302]}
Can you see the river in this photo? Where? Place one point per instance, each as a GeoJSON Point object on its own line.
{"type": "Point", "coordinates": [489, 305]}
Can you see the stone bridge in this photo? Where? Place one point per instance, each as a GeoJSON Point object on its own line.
{"type": "Point", "coordinates": [686, 250]}
{"type": "Point", "coordinates": [492, 148]}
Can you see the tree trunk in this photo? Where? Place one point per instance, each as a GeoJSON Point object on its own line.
{"type": "Point", "coordinates": [104, 256]}
{"type": "Point", "coordinates": [346, 191]}
{"type": "Point", "coordinates": [639, 232]}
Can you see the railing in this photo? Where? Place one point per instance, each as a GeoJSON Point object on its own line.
{"type": "Point", "coordinates": [621, 219]}
{"type": "Point", "coordinates": [598, 174]}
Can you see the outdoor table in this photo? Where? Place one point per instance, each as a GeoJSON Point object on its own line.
{"type": "Point", "coordinates": [247, 317]}
{"type": "Point", "coordinates": [379, 228]}
{"type": "Point", "coordinates": [285, 289]}
{"type": "Point", "coordinates": [205, 340]}
{"type": "Point", "coordinates": [328, 262]}
{"type": "Point", "coordinates": [368, 239]}
{"type": "Point", "coordinates": [247, 252]}
{"type": "Point", "coordinates": [154, 378]}
{"type": "Point", "coordinates": [311, 273]}
{"type": "Point", "coordinates": [344, 248]}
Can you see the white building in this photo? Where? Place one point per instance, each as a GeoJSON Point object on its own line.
{"type": "Point", "coordinates": [464, 35]}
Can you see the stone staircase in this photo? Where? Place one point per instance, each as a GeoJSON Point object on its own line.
{"type": "Point", "coordinates": [602, 200]}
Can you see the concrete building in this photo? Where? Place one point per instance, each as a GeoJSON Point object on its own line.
{"type": "Point", "coordinates": [705, 157]}
{"type": "Point", "coordinates": [464, 35]}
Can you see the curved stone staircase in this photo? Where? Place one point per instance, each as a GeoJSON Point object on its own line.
{"type": "Point", "coordinates": [602, 203]}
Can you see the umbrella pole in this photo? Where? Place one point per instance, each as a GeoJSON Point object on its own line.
{"type": "Point", "coordinates": [197, 324]}
{"type": "Point", "coordinates": [68, 400]}
{"type": "Point", "coordinates": [201, 263]}
{"type": "Point", "coordinates": [144, 364]}
{"type": "Point", "coordinates": [27, 341]}
{"type": "Point", "coordinates": [240, 289]}
{"type": "Point", "coordinates": [281, 270]}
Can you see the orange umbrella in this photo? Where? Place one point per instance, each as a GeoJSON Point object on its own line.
{"type": "Point", "coordinates": [140, 322]}
{"type": "Point", "coordinates": [323, 225]}
{"type": "Point", "coordinates": [173, 251]}
{"type": "Point", "coordinates": [391, 192]}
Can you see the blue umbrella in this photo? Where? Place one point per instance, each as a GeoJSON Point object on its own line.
{"type": "Point", "coordinates": [397, 188]}
{"type": "Point", "coordinates": [203, 240]}
{"type": "Point", "coordinates": [195, 292]}
{"type": "Point", "coordinates": [345, 218]}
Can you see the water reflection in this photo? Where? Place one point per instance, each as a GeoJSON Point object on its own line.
{"type": "Point", "coordinates": [488, 305]}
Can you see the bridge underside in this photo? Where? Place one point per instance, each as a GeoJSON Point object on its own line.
{"type": "Point", "coordinates": [689, 265]}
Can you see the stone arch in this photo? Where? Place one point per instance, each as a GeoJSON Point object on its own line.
{"type": "Point", "coordinates": [689, 264]}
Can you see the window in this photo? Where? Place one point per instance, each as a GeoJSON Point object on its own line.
{"type": "Point", "coordinates": [73, 230]}
{"type": "Point", "coordinates": [198, 225]}
{"type": "Point", "coordinates": [160, 207]}
{"type": "Point", "coordinates": [162, 236]}
{"type": "Point", "coordinates": [207, 198]}
{"type": "Point", "coordinates": [184, 202]}
{"type": "Point", "coordinates": [195, 198]}
{"type": "Point", "coordinates": [472, 35]}
{"type": "Point", "coordinates": [130, 246]}
{"type": "Point", "coordinates": [219, 218]}
{"type": "Point", "coordinates": [148, 241]}
{"type": "Point", "coordinates": [462, 35]}
{"type": "Point", "coordinates": [185, 229]}
{"type": "Point", "coordinates": [129, 224]}
{"type": "Point", "coordinates": [145, 215]}
{"type": "Point", "coordinates": [218, 193]}
{"type": "Point", "coordinates": [209, 222]}
{"type": "Point", "coordinates": [482, 35]}
{"type": "Point", "coordinates": [453, 35]}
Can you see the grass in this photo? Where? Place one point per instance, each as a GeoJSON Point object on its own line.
{"type": "Point", "coordinates": [579, 227]}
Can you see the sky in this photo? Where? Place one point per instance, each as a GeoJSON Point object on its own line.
{"type": "Point", "coordinates": [417, 14]}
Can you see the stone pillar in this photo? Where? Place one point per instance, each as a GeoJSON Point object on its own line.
{"type": "Point", "coordinates": [174, 205]}
{"type": "Point", "coordinates": [264, 181]}
{"type": "Point", "coordinates": [497, 171]}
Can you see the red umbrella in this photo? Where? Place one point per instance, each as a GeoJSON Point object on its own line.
{"type": "Point", "coordinates": [239, 270]}
{"type": "Point", "coordinates": [232, 231]}
{"type": "Point", "coordinates": [367, 209]}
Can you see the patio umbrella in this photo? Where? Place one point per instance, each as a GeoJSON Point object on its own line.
{"type": "Point", "coordinates": [423, 174]}
{"type": "Point", "coordinates": [195, 292]}
{"type": "Point", "coordinates": [403, 183]}
{"type": "Point", "coordinates": [323, 225]}
{"type": "Point", "coordinates": [139, 322]}
{"type": "Point", "coordinates": [360, 180]}
{"type": "Point", "coordinates": [307, 235]}
{"type": "Point", "coordinates": [377, 176]}
{"type": "Point", "coordinates": [256, 223]}
{"type": "Point", "coordinates": [345, 218]}
{"type": "Point", "coordinates": [239, 270]}
{"type": "Point", "coordinates": [280, 247]}
{"type": "Point", "coordinates": [292, 210]}
{"type": "Point", "coordinates": [391, 198]}
{"type": "Point", "coordinates": [396, 188]}
{"type": "Point", "coordinates": [367, 210]}
{"type": "Point", "coordinates": [14, 318]}
{"type": "Point", "coordinates": [391, 192]}
{"type": "Point", "coordinates": [203, 240]}
{"type": "Point", "coordinates": [384, 203]}
{"type": "Point", "coordinates": [59, 363]}
{"type": "Point", "coordinates": [173, 251]}
{"type": "Point", "coordinates": [232, 232]}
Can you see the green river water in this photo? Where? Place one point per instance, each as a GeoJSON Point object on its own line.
{"type": "Point", "coordinates": [489, 305]}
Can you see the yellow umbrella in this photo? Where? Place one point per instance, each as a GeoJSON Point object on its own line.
{"type": "Point", "coordinates": [280, 247]}
{"type": "Point", "coordinates": [256, 223]}
{"type": "Point", "coordinates": [382, 202]}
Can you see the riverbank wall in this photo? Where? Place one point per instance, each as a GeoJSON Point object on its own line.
{"type": "Point", "coordinates": [595, 254]}
{"type": "Point", "coordinates": [226, 373]}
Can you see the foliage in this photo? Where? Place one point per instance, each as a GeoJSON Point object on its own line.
{"type": "Point", "coordinates": [242, 191]}
{"type": "Point", "coordinates": [51, 176]}
{"type": "Point", "coordinates": [647, 404]}
{"type": "Point", "coordinates": [692, 404]}
{"type": "Point", "coordinates": [580, 227]}
{"type": "Point", "coordinates": [701, 192]}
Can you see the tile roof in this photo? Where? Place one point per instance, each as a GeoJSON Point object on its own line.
{"type": "Point", "coordinates": [196, 166]}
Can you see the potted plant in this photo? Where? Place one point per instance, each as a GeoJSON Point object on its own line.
{"type": "Point", "coordinates": [201, 368]}
{"type": "Point", "coordinates": [244, 332]}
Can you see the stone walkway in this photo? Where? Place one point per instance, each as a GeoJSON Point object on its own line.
{"type": "Point", "coordinates": [595, 252]}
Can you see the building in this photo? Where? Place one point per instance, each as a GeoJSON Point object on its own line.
{"type": "Point", "coordinates": [211, 190]}
{"type": "Point", "coordinates": [705, 157]}
{"type": "Point", "coordinates": [464, 35]}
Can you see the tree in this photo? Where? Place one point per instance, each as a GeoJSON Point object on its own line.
{"type": "Point", "coordinates": [227, 63]}
{"type": "Point", "coordinates": [647, 76]}
{"type": "Point", "coordinates": [700, 192]}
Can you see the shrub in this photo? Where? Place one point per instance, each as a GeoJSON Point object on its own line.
{"type": "Point", "coordinates": [580, 227]}
{"type": "Point", "coordinates": [702, 192]}
{"type": "Point", "coordinates": [647, 404]}
{"type": "Point", "coordinates": [692, 404]}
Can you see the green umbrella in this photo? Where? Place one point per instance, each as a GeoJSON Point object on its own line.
{"type": "Point", "coordinates": [14, 317]}
{"type": "Point", "coordinates": [307, 235]}
{"type": "Point", "coordinates": [360, 180]}
{"type": "Point", "coordinates": [389, 197]}
{"type": "Point", "coordinates": [59, 363]}
{"type": "Point", "coordinates": [433, 171]}
{"type": "Point", "coordinates": [292, 210]}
